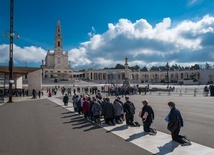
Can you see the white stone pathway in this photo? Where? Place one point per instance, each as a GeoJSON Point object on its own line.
{"type": "Point", "coordinates": [160, 144]}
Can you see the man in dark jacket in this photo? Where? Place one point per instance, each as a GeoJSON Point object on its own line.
{"type": "Point", "coordinates": [108, 112]}
{"type": "Point", "coordinates": [129, 110]}
{"type": "Point", "coordinates": [65, 100]}
{"type": "Point", "coordinates": [175, 122]}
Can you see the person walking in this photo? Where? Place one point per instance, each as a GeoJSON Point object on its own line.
{"type": "Point", "coordinates": [129, 110]}
{"type": "Point", "coordinates": [39, 93]}
{"type": "Point", "coordinates": [65, 100]}
{"type": "Point", "coordinates": [175, 122]}
{"type": "Point", "coordinates": [147, 115]}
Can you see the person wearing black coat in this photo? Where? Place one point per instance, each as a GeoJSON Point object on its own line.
{"type": "Point", "coordinates": [211, 87]}
{"type": "Point", "coordinates": [129, 110]}
{"type": "Point", "coordinates": [65, 100]}
{"type": "Point", "coordinates": [147, 116]}
{"type": "Point", "coordinates": [108, 112]}
{"type": "Point", "coordinates": [176, 120]}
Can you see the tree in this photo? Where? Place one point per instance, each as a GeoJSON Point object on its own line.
{"type": "Point", "coordinates": [154, 68]}
{"type": "Point", "coordinates": [119, 66]}
{"type": "Point", "coordinates": [144, 69]}
{"type": "Point", "coordinates": [162, 68]}
{"type": "Point", "coordinates": [135, 68]}
{"type": "Point", "coordinates": [195, 67]}
{"type": "Point", "coordinates": [174, 67]}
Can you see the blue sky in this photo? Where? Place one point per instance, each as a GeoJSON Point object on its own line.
{"type": "Point", "coordinates": [101, 33]}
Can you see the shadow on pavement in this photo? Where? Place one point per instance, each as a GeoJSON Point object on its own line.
{"type": "Point", "coordinates": [118, 128]}
{"type": "Point", "coordinates": [94, 127]}
{"type": "Point", "coordinates": [83, 126]}
{"type": "Point", "coordinates": [69, 112]}
{"type": "Point", "coordinates": [167, 148]}
{"type": "Point", "coordinates": [136, 136]}
{"type": "Point", "coordinates": [78, 121]}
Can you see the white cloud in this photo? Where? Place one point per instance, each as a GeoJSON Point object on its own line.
{"type": "Point", "coordinates": [4, 52]}
{"type": "Point", "coordinates": [140, 42]}
{"type": "Point", "coordinates": [92, 33]}
{"type": "Point", "coordinates": [78, 57]}
{"type": "Point", "coordinates": [25, 54]}
{"type": "Point", "coordinates": [187, 42]}
{"type": "Point", "coordinates": [191, 3]}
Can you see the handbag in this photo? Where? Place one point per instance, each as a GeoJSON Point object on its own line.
{"type": "Point", "coordinates": [140, 113]}
{"type": "Point", "coordinates": [145, 115]}
{"type": "Point", "coordinates": [166, 118]}
{"type": "Point", "coordinates": [172, 126]}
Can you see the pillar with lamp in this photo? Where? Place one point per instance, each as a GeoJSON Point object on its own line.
{"type": "Point", "coordinates": [11, 34]}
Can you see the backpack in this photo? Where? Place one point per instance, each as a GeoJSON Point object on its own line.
{"type": "Point", "coordinates": [131, 107]}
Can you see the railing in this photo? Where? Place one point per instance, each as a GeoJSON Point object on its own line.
{"type": "Point", "coordinates": [181, 92]}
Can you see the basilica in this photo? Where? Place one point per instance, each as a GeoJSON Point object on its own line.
{"type": "Point", "coordinates": [56, 65]}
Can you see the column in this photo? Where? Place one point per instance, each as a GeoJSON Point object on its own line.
{"type": "Point", "coordinates": [34, 80]}
{"type": "Point", "coordinates": [18, 83]}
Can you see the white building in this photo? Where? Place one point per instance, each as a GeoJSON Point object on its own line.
{"type": "Point", "coordinates": [56, 64]}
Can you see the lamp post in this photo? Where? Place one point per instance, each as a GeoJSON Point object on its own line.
{"type": "Point", "coordinates": [167, 68]}
{"type": "Point", "coordinates": [11, 35]}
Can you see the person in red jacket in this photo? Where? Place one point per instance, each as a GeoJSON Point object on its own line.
{"type": "Point", "coordinates": [86, 108]}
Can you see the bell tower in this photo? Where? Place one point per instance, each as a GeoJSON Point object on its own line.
{"type": "Point", "coordinates": [58, 39]}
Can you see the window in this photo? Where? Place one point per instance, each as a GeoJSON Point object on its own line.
{"type": "Point", "coordinates": [58, 43]}
{"type": "Point", "coordinates": [58, 60]}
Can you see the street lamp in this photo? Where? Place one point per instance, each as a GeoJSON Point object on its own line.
{"type": "Point", "coordinates": [167, 68]}
{"type": "Point", "coordinates": [11, 35]}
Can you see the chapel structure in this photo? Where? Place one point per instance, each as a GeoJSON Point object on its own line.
{"type": "Point", "coordinates": [56, 65]}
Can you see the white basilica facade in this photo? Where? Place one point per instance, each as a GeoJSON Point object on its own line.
{"type": "Point", "coordinates": [56, 64]}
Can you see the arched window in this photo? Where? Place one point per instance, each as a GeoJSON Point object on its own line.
{"type": "Point", "coordinates": [182, 75]}
{"type": "Point", "coordinates": [59, 60]}
{"type": "Point", "coordinates": [58, 43]}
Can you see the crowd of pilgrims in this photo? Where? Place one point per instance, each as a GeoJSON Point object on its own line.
{"type": "Point", "coordinates": [96, 106]}
{"type": "Point", "coordinates": [112, 91]}
{"type": "Point", "coordinates": [17, 92]}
